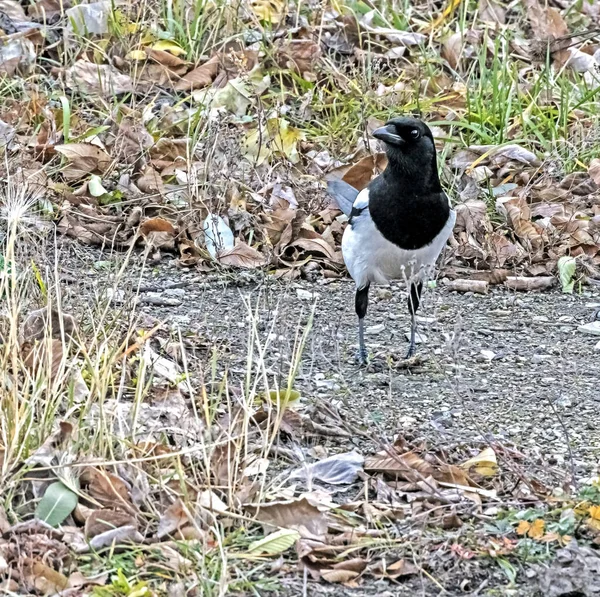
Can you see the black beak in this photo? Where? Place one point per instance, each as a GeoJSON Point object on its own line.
{"type": "Point", "coordinates": [387, 135]}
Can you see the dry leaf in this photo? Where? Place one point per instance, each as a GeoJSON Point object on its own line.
{"type": "Point", "coordinates": [100, 521]}
{"type": "Point", "coordinates": [241, 255]}
{"type": "Point", "coordinates": [151, 182]}
{"type": "Point", "coordinates": [546, 21]}
{"type": "Point", "coordinates": [409, 466]}
{"type": "Point", "coordinates": [105, 488]}
{"type": "Point", "coordinates": [84, 159]}
{"type": "Point", "coordinates": [201, 76]}
{"type": "Point", "coordinates": [360, 174]}
{"type": "Point", "coordinates": [100, 79]}
{"type": "Point", "coordinates": [39, 355]}
{"type": "Point", "coordinates": [335, 576]}
{"type": "Point", "coordinates": [299, 514]}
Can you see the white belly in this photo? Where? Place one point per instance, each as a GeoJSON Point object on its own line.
{"type": "Point", "coordinates": [370, 258]}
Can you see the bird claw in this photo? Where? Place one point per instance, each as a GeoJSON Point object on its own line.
{"type": "Point", "coordinates": [362, 356]}
{"type": "Point", "coordinates": [412, 349]}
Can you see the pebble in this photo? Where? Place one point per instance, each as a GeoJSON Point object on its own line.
{"type": "Point", "coordinates": [541, 358]}
{"type": "Point", "coordinates": [175, 292]}
{"type": "Point", "coordinates": [384, 293]}
{"type": "Point", "coordinates": [304, 295]}
{"type": "Point", "coordinates": [376, 329]}
{"type": "Point", "coordinates": [540, 318]}
{"type": "Point", "coordinates": [590, 328]}
{"type": "Point", "coordinates": [488, 355]}
{"type": "Point", "coordinates": [425, 320]}
{"type": "Point", "coordinates": [597, 347]}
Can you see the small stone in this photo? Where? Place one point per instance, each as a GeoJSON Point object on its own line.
{"type": "Point", "coordinates": [541, 358]}
{"type": "Point", "coordinates": [375, 329]}
{"type": "Point", "coordinates": [420, 338]}
{"type": "Point", "coordinates": [304, 295]}
{"type": "Point", "coordinates": [175, 292]}
{"type": "Point", "coordinates": [566, 318]}
{"type": "Point", "coordinates": [384, 294]}
{"type": "Point", "coordinates": [593, 305]}
{"type": "Point", "coordinates": [592, 328]}
{"type": "Point", "coordinates": [488, 355]}
{"type": "Point", "coordinates": [540, 318]}
{"type": "Point", "coordinates": [597, 347]}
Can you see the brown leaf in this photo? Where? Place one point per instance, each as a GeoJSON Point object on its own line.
{"type": "Point", "coordinates": [40, 354]}
{"type": "Point", "coordinates": [453, 475]}
{"type": "Point", "coordinates": [546, 22]}
{"type": "Point", "coordinates": [318, 246]}
{"type": "Point", "coordinates": [395, 570]}
{"type": "Point", "coordinates": [173, 518]}
{"type": "Point", "coordinates": [165, 58]}
{"type": "Point", "coordinates": [202, 76]}
{"type": "Point", "coordinates": [107, 489]}
{"type": "Point", "coordinates": [360, 174]}
{"type": "Point", "coordinates": [100, 521]}
{"type": "Point", "coordinates": [156, 225]}
{"type": "Point", "coordinates": [241, 255]}
{"type": "Point", "coordinates": [100, 79]}
{"type": "Point", "coordinates": [298, 513]}
{"type": "Point", "coordinates": [491, 11]}
{"type": "Point", "coordinates": [298, 55]}
{"type": "Point", "coordinates": [43, 578]}
{"type": "Point", "coordinates": [402, 465]}
{"type": "Point", "coordinates": [335, 576]}
{"type": "Point", "coordinates": [40, 324]}
{"type": "Point", "coordinates": [84, 159]}
{"type": "Point", "coordinates": [518, 216]}
{"type": "Point", "coordinates": [151, 182]}
{"type": "Point", "coordinates": [452, 49]}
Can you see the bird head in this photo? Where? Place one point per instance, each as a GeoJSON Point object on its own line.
{"type": "Point", "coordinates": [409, 147]}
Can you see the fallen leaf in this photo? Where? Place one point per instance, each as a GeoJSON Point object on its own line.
{"type": "Point", "coordinates": [546, 21]}
{"type": "Point", "coordinates": [84, 159]}
{"type": "Point", "coordinates": [594, 170]}
{"type": "Point", "coordinates": [105, 488]}
{"type": "Point", "coordinates": [38, 355]}
{"type": "Point", "coordinates": [360, 174]}
{"type": "Point", "coordinates": [241, 255]}
{"type": "Point", "coordinates": [338, 576]}
{"type": "Point", "coordinates": [485, 463]}
{"type": "Point", "coordinates": [100, 79]}
{"type": "Point", "coordinates": [56, 504]}
{"type": "Point", "coordinates": [409, 466]}
{"type": "Point", "coordinates": [100, 521]}
{"type": "Point", "coordinates": [275, 543]}
{"type": "Point", "coordinates": [268, 11]}
{"type": "Point", "coordinates": [201, 76]}
{"type": "Point", "coordinates": [298, 514]}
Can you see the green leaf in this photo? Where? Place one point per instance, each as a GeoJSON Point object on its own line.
{"type": "Point", "coordinates": [566, 271]}
{"type": "Point", "coordinates": [58, 502]}
{"type": "Point", "coordinates": [274, 543]}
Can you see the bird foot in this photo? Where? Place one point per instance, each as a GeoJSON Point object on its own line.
{"type": "Point", "coordinates": [362, 356]}
{"type": "Point", "coordinates": [412, 349]}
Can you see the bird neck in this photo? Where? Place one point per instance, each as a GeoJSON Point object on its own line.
{"type": "Point", "coordinates": [412, 172]}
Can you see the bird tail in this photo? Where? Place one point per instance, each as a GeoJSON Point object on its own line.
{"type": "Point", "coordinates": [343, 193]}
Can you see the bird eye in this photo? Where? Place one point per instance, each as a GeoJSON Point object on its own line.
{"type": "Point", "coordinates": [415, 134]}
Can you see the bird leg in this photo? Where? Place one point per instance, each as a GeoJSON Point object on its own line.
{"type": "Point", "coordinates": [361, 303]}
{"type": "Point", "coordinates": [414, 300]}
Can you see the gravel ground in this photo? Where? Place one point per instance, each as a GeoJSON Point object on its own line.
{"type": "Point", "coordinates": [509, 365]}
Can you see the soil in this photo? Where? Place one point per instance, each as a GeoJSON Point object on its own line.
{"type": "Point", "coordinates": [507, 366]}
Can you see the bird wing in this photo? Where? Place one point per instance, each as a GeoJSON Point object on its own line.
{"type": "Point", "coordinates": [343, 193]}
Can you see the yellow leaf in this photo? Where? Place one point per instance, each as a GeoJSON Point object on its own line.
{"type": "Point", "coordinates": [169, 46]}
{"type": "Point", "coordinates": [278, 138]}
{"type": "Point", "coordinates": [485, 463]}
{"type": "Point", "coordinates": [537, 529]}
{"type": "Point", "coordinates": [593, 523]}
{"type": "Point", "coordinates": [594, 512]}
{"type": "Point", "coordinates": [269, 11]}
{"type": "Point", "coordinates": [523, 527]}
{"type": "Point", "coordinates": [137, 55]}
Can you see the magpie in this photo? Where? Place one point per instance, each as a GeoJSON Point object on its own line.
{"type": "Point", "coordinates": [399, 224]}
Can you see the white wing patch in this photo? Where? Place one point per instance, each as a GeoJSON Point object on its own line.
{"type": "Point", "coordinates": [362, 200]}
